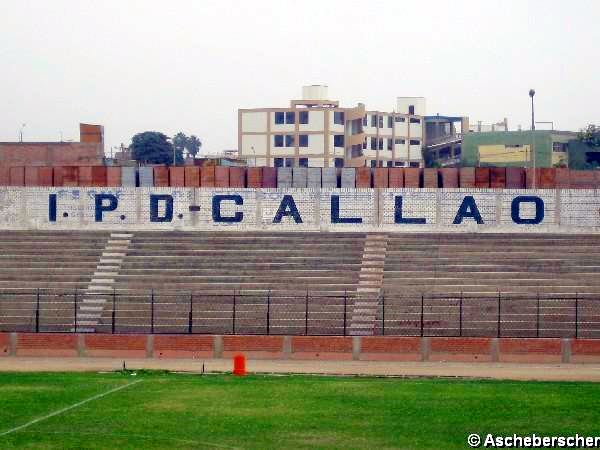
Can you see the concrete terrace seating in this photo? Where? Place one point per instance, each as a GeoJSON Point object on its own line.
{"type": "Point", "coordinates": [54, 262]}
{"type": "Point", "coordinates": [489, 263]}
{"type": "Point", "coordinates": [535, 285]}
{"type": "Point", "coordinates": [265, 277]}
{"type": "Point", "coordinates": [492, 278]}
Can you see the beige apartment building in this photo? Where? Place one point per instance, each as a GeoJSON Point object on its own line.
{"type": "Point", "coordinates": [317, 132]}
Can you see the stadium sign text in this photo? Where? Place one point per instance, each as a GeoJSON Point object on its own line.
{"type": "Point", "coordinates": [161, 208]}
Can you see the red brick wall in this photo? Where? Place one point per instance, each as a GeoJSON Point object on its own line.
{"type": "Point", "coordinates": [383, 348]}
{"type": "Point", "coordinates": [192, 176]}
{"type": "Point", "coordinates": [460, 349]}
{"type": "Point", "coordinates": [42, 344]}
{"type": "Point", "coordinates": [115, 345]}
{"type": "Point", "coordinates": [4, 344]}
{"type": "Point", "coordinates": [113, 176]}
{"type": "Point", "coordinates": [177, 346]}
{"type": "Point", "coordinates": [529, 350]}
{"type": "Point", "coordinates": [253, 346]}
{"type": "Point", "coordinates": [375, 348]}
{"type": "Point", "coordinates": [585, 350]}
{"type": "Point", "coordinates": [321, 347]}
{"type": "Point", "coordinates": [51, 154]}
{"type": "Point", "coordinates": [430, 178]}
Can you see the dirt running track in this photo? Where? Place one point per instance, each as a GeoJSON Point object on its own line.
{"type": "Point", "coordinates": [546, 372]}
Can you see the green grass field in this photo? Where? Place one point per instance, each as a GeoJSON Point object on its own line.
{"type": "Point", "coordinates": [259, 412]}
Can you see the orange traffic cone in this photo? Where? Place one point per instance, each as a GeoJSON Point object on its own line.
{"type": "Point", "coordinates": [239, 365]}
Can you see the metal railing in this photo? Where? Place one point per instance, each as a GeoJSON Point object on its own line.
{"type": "Point", "coordinates": [309, 313]}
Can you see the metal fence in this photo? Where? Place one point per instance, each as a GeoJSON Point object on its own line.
{"type": "Point", "coordinates": [125, 311]}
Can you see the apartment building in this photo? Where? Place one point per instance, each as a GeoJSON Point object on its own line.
{"type": "Point", "coordinates": [317, 132]}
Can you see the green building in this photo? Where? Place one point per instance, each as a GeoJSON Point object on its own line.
{"type": "Point", "coordinates": [513, 148]}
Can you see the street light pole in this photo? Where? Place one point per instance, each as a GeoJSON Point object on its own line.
{"type": "Point", "coordinates": [21, 132]}
{"type": "Point", "coordinates": [531, 94]}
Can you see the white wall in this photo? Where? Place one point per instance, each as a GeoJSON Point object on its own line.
{"type": "Point", "coordinates": [416, 130]}
{"type": "Point", "coordinates": [401, 128]}
{"type": "Point", "coordinates": [404, 102]}
{"type": "Point", "coordinates": [258, 141]}
{"type": "Point", "coordinates": [415, 153]}
{"type": "Point", "coordinates": [316, 145]}
{"type": "Point", "coordinates": [565, 211]}
{"type": "Point", "coordinates": [401, 151]}
{"type": "Point", "coordinates": [316, 121]}
{"type": "Point", "coordinates": [315, 92]}
{"type": "Point", "coordinates": [255, 122]}
{"type": "Point", "coordinates": [316, 162]}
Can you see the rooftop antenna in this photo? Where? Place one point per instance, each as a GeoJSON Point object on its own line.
{"type": "Point", "coordinates": [21, 132]}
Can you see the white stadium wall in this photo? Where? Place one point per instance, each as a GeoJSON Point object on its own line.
{"type": "Point", "coordinates": [389, 210]}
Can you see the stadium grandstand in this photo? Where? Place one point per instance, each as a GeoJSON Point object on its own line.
{"type": "Point", "coordinates": [300, 283]}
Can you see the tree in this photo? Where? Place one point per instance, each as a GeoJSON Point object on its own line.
{"type": "Point", "coordinates": [590, 135]}
{"type": "Point", "coordinates": [179, 142]}
{"type": "Point", "coordinates": [193, 145]}
{"type": "Point", "coordinates": [152, 147]}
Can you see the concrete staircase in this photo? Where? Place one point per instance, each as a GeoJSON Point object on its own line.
{"type": "Point", "coordinates": [366, 306]}
{"type": "Point", "coordinates": [99, 291]}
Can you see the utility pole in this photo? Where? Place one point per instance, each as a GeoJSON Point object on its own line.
{"type": "Point", "coordinates": [531, 94]}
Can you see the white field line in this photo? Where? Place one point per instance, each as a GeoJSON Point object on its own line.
{"type": "Point", "coordinates": [68, 408]}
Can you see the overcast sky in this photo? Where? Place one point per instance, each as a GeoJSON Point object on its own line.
{"type": "Point", "coordinates": [189, 65]}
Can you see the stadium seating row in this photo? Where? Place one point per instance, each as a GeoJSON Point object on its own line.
{"type": "Point", "coordinates": [300, 177]}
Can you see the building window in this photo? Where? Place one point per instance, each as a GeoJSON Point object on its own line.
{"type": "Point", "coordinates": [278, 162]}
{"type": "Point", "coordinates": [289, 140]}
{"type": "Point", "coordinates": [303, 162]}
{"type": "Point", "coordinates": [303, 117]}
{"type": "Point", "coordinates": [389, 144]}
{"type": "Point", "coordinates": [414, 164]}
{"type": "Point", "coordinates": [356, 151]}
{"type": "Point", "coordinates": [338, 162]}
{"type": "Point", "coordinates": [389, 164]}
{"type": "Point", "coordinates": [380, 144]}
{"type": "Point", "coordinates": [399, 164]}
{"type": "Point", "coordinates": [415, 142]}
{"type": "Point", "coordinates": [279, 118]}
{"type": "Point", "coordinates": [411, 109]}
{"type": "Point", "coordinates": [373, 163]}
{"type": "Point", "coordinates": [365, 121]}
{"type": "Point", "coordinates": [373, 143]}
{"type": "Point", "coordinates": [303, 140]}
{"type": "Point", "coordinates": [415, 120]}
{"type": "Point", "coordinates": [338, 140]}
{"type": "Point", "coordinates": [380, 121]}
{"type": "Point", "coordinates": [290, 117]}
{"type": "Point", "coordinates": [380, 163]}
{"type": "Point", "coordinates": [400, 142]}
{"type": "Point", "coordinates": [289, 162]}
{"type": "Point", "coordinates": [374, 120]}
{"type": "Point", "coordinates": [559, 147]}
{"type": "Point", "coordinates": [365, 144]}
{"type": "Point", "coordinates": [338, 117]}
{"type": "Point", "coordinates": [399, 119]}
{"type": "Point", "coordinates": [390, 122]}
{"type": "Point", "coordinates": [278, 140]}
